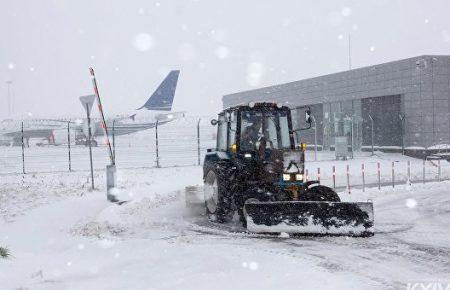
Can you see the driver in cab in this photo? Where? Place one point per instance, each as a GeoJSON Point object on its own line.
{"type": "Point", "coordinates": [250, 136]}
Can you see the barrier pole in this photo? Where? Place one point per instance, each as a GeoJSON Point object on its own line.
{"type": "Point", "coordinates": [318, 174]}
{"type": "Point", "coordinates": [103, 122]}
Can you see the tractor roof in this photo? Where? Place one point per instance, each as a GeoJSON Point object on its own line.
{"type": "Point", "coordinates": [258, 105]}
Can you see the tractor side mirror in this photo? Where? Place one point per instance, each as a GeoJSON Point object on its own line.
{"type": "Point", "coordinates": [214, 122]}
{"type": "Point", "coordinates": [308, 116]}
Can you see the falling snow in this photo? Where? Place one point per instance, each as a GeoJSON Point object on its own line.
{"type": "Point", "coordinates": [411, 203]}
{"type": "Point", "coordinates": [222, 52]}
{"type": "Point", "coordinates": [346, 11]}
{"type": "Point", "coordinates": [143, 42]}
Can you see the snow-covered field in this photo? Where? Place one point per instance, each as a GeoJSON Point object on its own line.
{"type": "Point", "coordinates": [64, 236]}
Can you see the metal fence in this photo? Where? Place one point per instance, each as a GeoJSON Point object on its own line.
{"type": "Point", "coordinates": [182, 142]}
{"type": "Point", "coordinates": [364, 170]}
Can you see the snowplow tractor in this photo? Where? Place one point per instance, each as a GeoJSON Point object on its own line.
{"type": "Point", "coordinates": [257, 170]}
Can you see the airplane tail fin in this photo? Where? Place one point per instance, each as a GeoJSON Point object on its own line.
{"type": "Point", "coordinates": [162, 98]}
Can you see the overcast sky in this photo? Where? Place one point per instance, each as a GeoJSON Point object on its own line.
{"type": "Point", "coordinates": [221, 47]}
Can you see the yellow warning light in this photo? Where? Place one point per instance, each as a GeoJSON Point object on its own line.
{"type": "Point", "coordinates": [234, 148]}
{"type": "Point", "coordinates": [303, 146]}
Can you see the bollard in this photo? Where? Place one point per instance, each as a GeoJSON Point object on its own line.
{"type": "Point", "coordinates": [318, 174]}
{"type": "Point", "coordinates": [379, 175]}
{"type": "Point", "coordinates": [306, 175]}
{"type": "Point", "coordinates": [393, 175]}
{"type": "Point", "coordinates": [334, 177]}
{"type": "Point", "coordinates": [111, 181]}
{"type": "Point", "coordinates": [363, 179]}
{"type": "Point", "coordinates": [348, 179]}
{"type": "Point", "coordinates": [409, 171]}
{"type": "Point", "coordinates": [439, 170]}
{"type": "Point", "coordinates": [423, 171]}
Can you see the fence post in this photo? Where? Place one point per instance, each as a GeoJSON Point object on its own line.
{"type": "Point", "coordinates": [334, 177]}
{"type": "Point", "coordinates": [439, 170]}
{"type": "Point", "coordinates": [318, 174]}
{"type": "Point", "coordinates": [114, 138]}
{"type": "Point", "coordinates": [68, 146]}
{"type": "Point", "coordinates": [393, 175]}
{"type": "Point", "coordinates": [198, 141]}
{"type": "Point", "coordinates": [348, 179]}
{"type": "Point", "coordinates": [423, 171]}
{"type": "Point", "coordinates": [23, 152]}
{"type": "Point", "coordinates": [157, 146]}
{"type": "Point", "coordinates": [379, 175]}
{"type": "Point", "coordinates": [363, 178]}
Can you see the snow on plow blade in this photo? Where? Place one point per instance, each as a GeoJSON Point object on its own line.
{"type": "Point", "coordinates": [310, 217]}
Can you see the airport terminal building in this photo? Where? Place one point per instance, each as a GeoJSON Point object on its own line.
{"type": "Point", "coordinates": [400, 104]}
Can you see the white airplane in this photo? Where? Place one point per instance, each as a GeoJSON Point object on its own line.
{"type": "Point", "coordinates": [157, 110]}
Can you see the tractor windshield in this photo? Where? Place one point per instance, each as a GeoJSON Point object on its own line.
{"type": "Point", "coordinates": [271, 126]}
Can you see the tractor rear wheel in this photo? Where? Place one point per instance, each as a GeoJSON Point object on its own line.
{"type": "Point", "coordinates": [321, 193]}
{"type": "Point", "coordinates": [218, 207]}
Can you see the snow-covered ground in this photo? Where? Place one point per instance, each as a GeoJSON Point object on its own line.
{"type": "Point", "coordinates": [64, 236]}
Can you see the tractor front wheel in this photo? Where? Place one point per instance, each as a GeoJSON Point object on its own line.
{"type": "Point", "coordinates": [218, 207]}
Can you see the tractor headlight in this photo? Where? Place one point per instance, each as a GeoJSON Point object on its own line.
{"type": "Point", "coordinates": [286, 177]}
{"type": "Point", "coordinates": [299, 177]}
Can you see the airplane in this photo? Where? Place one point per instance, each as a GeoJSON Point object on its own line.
{"type": "Point", "coordinates": [157, 110]}
{"type": "Point", "coordinates": [32, 128]}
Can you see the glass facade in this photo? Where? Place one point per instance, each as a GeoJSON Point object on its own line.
{"type": "Point", "coordinates": [342, 119]}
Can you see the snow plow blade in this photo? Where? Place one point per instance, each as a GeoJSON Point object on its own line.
{"type": "Point", "coordinates": [310, 217]}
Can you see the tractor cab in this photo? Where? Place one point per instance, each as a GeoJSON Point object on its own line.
{"type": "Point", "coordinates": [261, 135]}
{"type": "Point", "coordinates": [256, 126]}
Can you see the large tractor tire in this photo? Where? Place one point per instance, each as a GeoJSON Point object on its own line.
{"type": "Point", "coordinates": [218, 206]}
{"type": "Point", "coordinates": [320, 193]}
